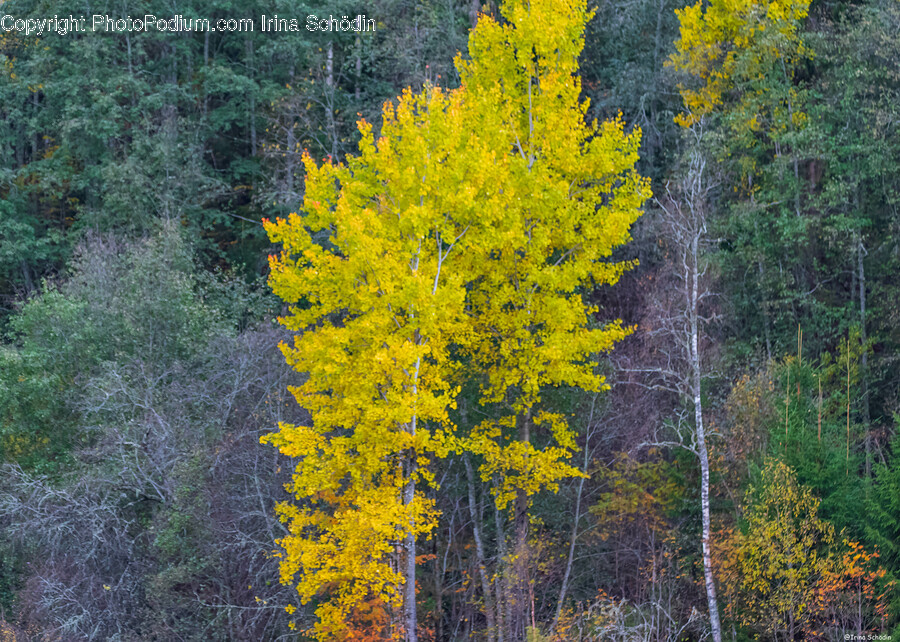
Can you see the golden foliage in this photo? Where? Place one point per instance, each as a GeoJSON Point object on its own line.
{"type": "Point", "coordinates": [729, 44]}
{"type": "Point", "coordinates": [456, 239]}
{"type": "Point", "coordinates": [786, 574]}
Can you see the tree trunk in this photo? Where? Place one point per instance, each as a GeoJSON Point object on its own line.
{"type": "Point", "coordinates": [504, 616]}
{"type": "Point", "coordinates": [568, 572]}
{"type": "Point", "coordinates": [701, 440]}
{"type": "Point", "coordinates": [479, 552]}
{"type": "Point", "coordinates": [864, 360]}
{"type": "Point", "coordinates": [357, 91]}
{"type": "Point", "coordinates": [329, 99]}
{"type": "Point", "coordinates": [26, 275]}
{"type": "Point", "coordinates": [410, 621]}
{"type": "Point", "coordinates": [521, 562]}
{"type": "Point", "coordinates": [687, 224]}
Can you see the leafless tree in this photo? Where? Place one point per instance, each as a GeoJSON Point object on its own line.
{"type": "Point", "coordinates": [162, 523]}
{"type": "Point", "coordinates": [681, 314]}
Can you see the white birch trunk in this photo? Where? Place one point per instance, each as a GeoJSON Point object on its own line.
{"type": "Point", "coordinates": [687, 227]}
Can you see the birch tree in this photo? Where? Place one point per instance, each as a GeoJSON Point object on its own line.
{"type": "Point", "coordinates": [680, 329]}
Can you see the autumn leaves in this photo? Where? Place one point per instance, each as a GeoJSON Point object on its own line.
{"type": "Point", "coordinates": [449, 254]}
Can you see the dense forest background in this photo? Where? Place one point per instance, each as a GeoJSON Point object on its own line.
{"type": "Point", "coordinates": [139, 363]}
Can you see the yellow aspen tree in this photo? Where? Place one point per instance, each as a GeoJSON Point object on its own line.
{"type": "Point", "coordinates": [733, 44]}
{"type": "Point", "coordinates": [568, 196]}
{"type": "Point", "coordinates": [379, 300]}
{"type": "Point", "coordinates": [459, 239]}
{"type": "Point", "coordinates": [739, 58]}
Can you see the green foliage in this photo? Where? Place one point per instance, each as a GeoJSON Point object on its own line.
{"type": "Point", "coordinates": [797, 411]}
{"type": "Point", "coordinates": [114, 132]}
{"type": "Point", "coordinates": [830, 463]}
{"type": "Point", "coordinates": [112, 309]}
{"type": "Point", "coordinates": [882, 524]}
{"type": "Point", "coordinates": [884, 511]}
